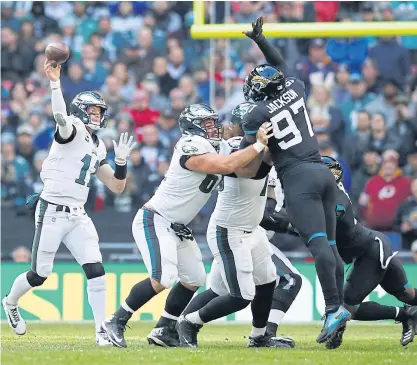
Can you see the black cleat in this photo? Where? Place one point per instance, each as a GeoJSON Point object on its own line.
{"type": "Point", "coordinates": [337, 340]}
{"type": "Point", "coordinates": [409, 325]}
{"type": "Point", "coordinates": [166, 336]}
{"type": "Point", "coordinates": [187, 332]}
{"type": "Point", "coordinates": [269, 341]}
{"type": "Point", "coordinates": [115, 328]}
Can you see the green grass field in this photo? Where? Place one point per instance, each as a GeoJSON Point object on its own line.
{"type": "Point", "coordinates": [61, 344]}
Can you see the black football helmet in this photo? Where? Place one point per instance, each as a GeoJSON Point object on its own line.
{"type": "Point", "coordinates": [334, 166]}
{"type": "Point", "coordinates": [264, 82]}
{"type": "Point", "coordinates": [80, 104]}
{"type": "Point", "coordinates": [191, 118]}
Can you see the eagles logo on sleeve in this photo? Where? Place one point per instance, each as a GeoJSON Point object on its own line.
{"type": "Point", "coordinates": [189, 149]}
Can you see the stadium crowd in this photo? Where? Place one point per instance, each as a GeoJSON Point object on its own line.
{"type": "Point", "coordinates": [362, 93]}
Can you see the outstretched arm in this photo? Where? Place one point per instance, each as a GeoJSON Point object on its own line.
{"type": "Point", "coordinates": [59, 109]}
{"type": "Point", "coordinates": [272, 55]}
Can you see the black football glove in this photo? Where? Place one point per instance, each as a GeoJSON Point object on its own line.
{"type": "Point", "coordinates": [182, 231]}
{"type": "Point", "coordinates": [256, 32]}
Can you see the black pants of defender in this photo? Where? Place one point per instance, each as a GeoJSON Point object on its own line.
{"type": "Point", "coordinates": [367, 273]}
{"type": "Point", "coordinates": [310, 200]}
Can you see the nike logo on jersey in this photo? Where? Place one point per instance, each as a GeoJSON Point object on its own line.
{"type": "Point", "coordinates": [285, 98]}
{"type": "Point", "coordinates": [87, 138]}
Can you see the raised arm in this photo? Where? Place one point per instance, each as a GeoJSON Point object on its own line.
{"type": "Point", "coordinates": [272, 55]}
{"type": "Point", "coordinates": [59, 109]}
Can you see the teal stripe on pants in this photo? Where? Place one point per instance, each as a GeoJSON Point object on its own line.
{"type": "Point", "coordinates": [38, 231]}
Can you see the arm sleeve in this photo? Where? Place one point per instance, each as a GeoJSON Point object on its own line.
{"type": "Point", "coordinates": [272, 55]}
{"type": "Point", "coordinates": [263, 171]}
{"type": "Point", "coordinates": [59, 109]}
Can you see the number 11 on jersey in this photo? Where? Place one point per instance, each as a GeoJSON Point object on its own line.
{"type": "Point", "coordinates": [291, 128]}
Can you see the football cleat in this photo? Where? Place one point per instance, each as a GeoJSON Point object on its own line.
{"type": "Point", "coordinates": [115, 328]}
{"type": "Point", "coordinates": [332, 323]}
{"type": "Point", "coordinates": [102, 339]}
{"type": "Point", "coordinates": [409, 325]}
{"type": "Point", "coordinates": [187, 332]}
{"type": "Point", "coordinates": [269, 341]}
{"type": "Point", "coordinates": [16, 322]}
{"type": "Point", "coordinates": [337, 340]}
{"type": "Point", "coordinates": [166, 336]}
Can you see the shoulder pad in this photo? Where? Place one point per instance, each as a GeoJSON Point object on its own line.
{"type": "Point", "coordinates": [291, 80]}
{"type": "Point", "coordinates": [234, 143]}
{"type": "Point", "coordinates": [194, 145]}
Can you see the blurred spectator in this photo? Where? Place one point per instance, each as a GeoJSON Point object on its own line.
{"type": "Point", "coordinates": [38, 159]}
{"type": "Point", "coordinates": [248, 11]}
{"type": "Point", "coordinates": [21, 254]}
{"type": "Point", "coordinates": [411, 168]}
{"type": "Point", "coordinates": [384, 103]}
{"type": "Point", "coordinates": [177, 99]}
{"type": "Point", "coordinates": [19, 103]}
{"type": "Point", "coordinates": [340, 90]}
{"type": "Point", "coordinates": [414, 251]}
{"type": "Point", "coordinates": [16, 59]}
{"type": "Point", "coordinates": [126, 22]}
{"type": "Point", "coordinates": [128, 86]}
{"type": "Point", "coordinates": [38, 76]}
{"type": "Point", "coordinates": [85, 25]}
{"type": "Point", "coordinates": [371, 76]}
{"type": "Point", "coordinates": [24, 143]}
{"type": "Point", "coordinates": [93, 70]}
{"type": "Point", "coordinates": [358, 99]}
{"type": "Point", "coordinates": [27, 35]}
{"type": "Point", "coordinates": [165, 81]}
{"type": "Point", "coordinates": [42, 23]}
{"type": "Point", "coordinates": [392, 59]}
{"type": "Point", "coordinates": [351, 52]}
{"type": "Point", "coordinates": [369, 168]}
{"type": "Point", "coordinates": [355, 144]}
{"type": "Point", "coordinates": [176, 65]}
{"type": "Point", "coordinates": [157, 100]}
{"type": "Point", "coordinates": [75, 82]}
{"type": "Point", "coordinates": [103, 55]}
{"type": "Point", "coordinates": [151, 147]}
{"type": "Point", "coordinates": [384, 193]}
{"type": "Point", "coordinates": [201, 79]}
{"type": "Point", "coordinates": [140, 111]}
{"type": "Point", "coordinates": [380, 139]}
{"type": "Point", "coordinates": [124, 123]}
{"type": "Point", "coordinates": [169, 130]}
{"type": "Point", "coordinates": [321, 107]}
{"type": "Point", "coordinates": [110, 92]}
{"type": "Point", "coordinates": [140, 57]}
{"type": "Point", "coordinates": [14, 173]}
{"type": "Point", "coordinates": [58, 10]}
{"type": "Point", "coordinates": [143, 188]}
{"type": "Point", "coordinates": [318, 67]}
{"type": "Point", "coordinates": [188, 88]}
{"type": "Point", "coordinates": [8, 18]}
{"type": "Point", "coordinates": [406, 219]}
{"type": "Point", "coordinates": [407, 11]}
{"type": "Point", "coordinates": [166, 21]}
{"type": "Point", "coordinates": [405, 128]}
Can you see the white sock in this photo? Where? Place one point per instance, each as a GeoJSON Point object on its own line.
{"type": "Point", "coordinates": [194, 318]}
{"type": "Point", "coordinates": [256, 332]}
{"type": "Point", "coordinates": [127, 308]}
{"type": "Point", "coordinates": [276, 316]}
{"type": "Point", "coordinates": [96, 290]}
{"type": "Point", "coordinates": [19, 288]}
{"type": "Point", "coordinates": [169, 316]}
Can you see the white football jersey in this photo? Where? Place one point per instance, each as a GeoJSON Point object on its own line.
{"type": "Point", "coordinates": [274, 182]}
{"type": "Point", "coordinates": [183, 193]}
{"type": "Point", "coordinates": [241, 202]}
{"type": "Point", "coordinates": [67, 171]}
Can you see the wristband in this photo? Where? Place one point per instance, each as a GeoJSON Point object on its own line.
{"type": "Point", "coordinates": [55, 84]}
{"type": "Point", "coordinates": [258, 146]}
{"type": "Point", "coordinates": [120, 172]}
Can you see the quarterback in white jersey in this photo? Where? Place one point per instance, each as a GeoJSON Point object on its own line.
{"type": "Point", "coordinates": [75, 156]}
{"type": "Point", "coordinates": [242, 270]}
{"type": "Point", "coordinates": [168, 247]}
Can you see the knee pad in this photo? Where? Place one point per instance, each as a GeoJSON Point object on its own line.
{"type": "Point", "coordinates": [169, 275]}
{"type": "Point", "coordinates": [34, 279]}
{"type": "Point", "coordinates": [198, 277]}
{"type": "Point", "coordinates": [247, 290]}
{"type": "Point", "coordinates": [93, 270]}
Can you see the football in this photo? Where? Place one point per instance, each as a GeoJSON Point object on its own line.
{"type": "Point", "coordinates": [57, 52]}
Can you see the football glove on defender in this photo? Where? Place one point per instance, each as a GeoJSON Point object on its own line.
{"type": "Point", "coordinates": [256, 33]}
{"type": "Point", "coordinates": [182, 231]}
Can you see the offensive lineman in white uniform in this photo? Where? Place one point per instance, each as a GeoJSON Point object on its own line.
{"type": "Point", "coordinates": [167, 246]}
{"type": "Point", "coordinates": [242, 270]}
{"type": "Point", "coordinates": [75, 156]}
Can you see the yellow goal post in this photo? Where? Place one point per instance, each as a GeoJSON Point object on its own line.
{"type": "Point", "coordinates": [199, 30]}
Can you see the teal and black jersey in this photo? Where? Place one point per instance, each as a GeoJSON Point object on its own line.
{"type": "Point", "coordinates": [352, 238]}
